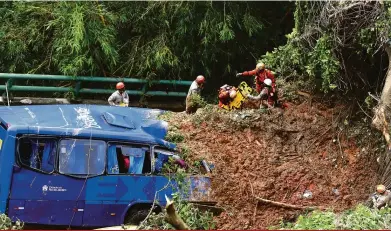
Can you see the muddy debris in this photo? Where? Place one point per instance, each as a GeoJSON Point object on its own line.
{"type": "Point", "coordinates": [277, 156]}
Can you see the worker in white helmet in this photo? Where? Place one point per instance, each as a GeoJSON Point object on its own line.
{"type": "Point", "coordinates": [266, 96]}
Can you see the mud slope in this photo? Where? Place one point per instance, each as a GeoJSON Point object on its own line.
{"type": "Point", "coordinates": [278, 158]}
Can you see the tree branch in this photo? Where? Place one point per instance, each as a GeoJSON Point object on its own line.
{"type": "Point", "coordinates": [285, 205]}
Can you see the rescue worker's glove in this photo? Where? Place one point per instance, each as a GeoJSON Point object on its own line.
{"type": "Point", "coordinates": [238, 74]}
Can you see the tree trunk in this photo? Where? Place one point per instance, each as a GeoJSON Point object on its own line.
{"type": "Point", "coordinates": [173, 218]}
{"type": "Point", "coordinates": [382, 111]}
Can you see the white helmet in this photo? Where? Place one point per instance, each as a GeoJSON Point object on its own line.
{"type": "Point", "coordinates": [268, 82]}
{"type": "Point", "coordinates": [232, 94]}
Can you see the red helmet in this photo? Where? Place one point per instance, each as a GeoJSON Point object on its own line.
{"type": "Point", "coordinates": [120, 85]}
{"type": "Point", "coordinates": [200, 79]}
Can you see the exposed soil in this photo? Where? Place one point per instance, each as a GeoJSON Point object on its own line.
{"type": "Point", "coordinates": [279, 156]}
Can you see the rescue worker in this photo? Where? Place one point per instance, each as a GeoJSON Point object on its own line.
{"type": "Point", "coordinates": [267, 94]}
{"type": "Point", "coordinates": [226, 95]}
{"type": "Point", "coordinates": [261, 74]}
{"type": "Point", "coordinates": [195, 89]}
{"type": "Point", "coordinates": [119, 97]}
{"type": "Point", "coordinates": [381, 197]}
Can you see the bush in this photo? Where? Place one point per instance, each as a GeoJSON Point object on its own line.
{"type": "Point", "coordinates": [174, 136]}
{"type": "Point", "coordinates": [6, 223]}
{"type": "Point", "coordinates": [196, 101]}
{"type": "Point", "coordinates": [361, 217]}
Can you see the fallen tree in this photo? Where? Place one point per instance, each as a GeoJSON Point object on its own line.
{"type": "Point", "coordinates": [173, 218]}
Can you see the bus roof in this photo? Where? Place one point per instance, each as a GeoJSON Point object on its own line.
{"type": "Point", "coordinates": [95, 121]}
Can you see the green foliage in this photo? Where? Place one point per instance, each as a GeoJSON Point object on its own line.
{"type": "Point", "coordinates": [192, 216]}
{"type": "Point", "coordinates": [294, 59]}
{"type": "Point", "coordinates": [65, 37]}
{"type": "Point", "coordinates": [152, 40]}
{"type": "Point", "coordinates": [361, 217]}
{"type": "Point", "coordinates": [6, 223]}
{"type": "Point", "coordinates": [322, 62]}
{"type": "Point", "coordinates": [165, 116]}
{"type": "Point", "coordinates": [173, 135]}
{"type": "Point", "coordinates": [195, 100]}
{"type": "Point", "coordinates": [335, 46]}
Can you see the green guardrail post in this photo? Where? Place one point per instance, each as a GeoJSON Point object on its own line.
{"type": "Point", "coordinates": [143, 98]}
{"type": "Point", "coordinates": [9, 84]}
{"type": "Point", "coordinates": [77, 89]}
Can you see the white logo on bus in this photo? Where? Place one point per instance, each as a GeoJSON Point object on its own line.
{"type": "Point", "coordinates": [84, 118]}
{"type": "Point", "coordinates": [45, 188]}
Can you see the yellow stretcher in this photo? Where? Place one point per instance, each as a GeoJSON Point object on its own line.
{"type": "Point", "coordinates": [243, 91]}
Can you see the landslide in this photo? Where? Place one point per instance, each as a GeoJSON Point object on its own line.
{"type": "Point", "coordinates": [279, 154]}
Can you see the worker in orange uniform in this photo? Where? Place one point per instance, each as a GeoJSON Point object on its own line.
{"type": "Point", "coordinates": [381, 197]}
{"type": "Point", "coordinates": [119, 97]}
{"type": "Point", "coordinates": [195, 89]}
{"type": "Point", "coordinates": [261, 74]}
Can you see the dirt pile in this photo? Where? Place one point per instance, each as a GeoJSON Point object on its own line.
{"type": "Point", "coordinates": [278, 156]}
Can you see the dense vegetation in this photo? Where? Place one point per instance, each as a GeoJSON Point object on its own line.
{"type": "Point", "coordinates": [359, 218]}
{"type": "Point", "coordinates": [169, 40]}
{"type": "Point", "coordinates": [337, 46]}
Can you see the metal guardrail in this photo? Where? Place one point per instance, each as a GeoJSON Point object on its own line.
{"type": "Point", "coordinates": [77, 90]}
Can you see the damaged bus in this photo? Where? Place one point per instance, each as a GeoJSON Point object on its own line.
{"type": "Point", "coordinates": [85, 165]}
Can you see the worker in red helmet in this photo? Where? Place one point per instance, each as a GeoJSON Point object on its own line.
{"type": "Point", "coordinates": [381, 198]}
{"type": "Point", "coordinates": [261, 73]}
{"type": "Point", "coordinates": [119, 97]}
{"type": "Point", "coordinates": [195, 89]}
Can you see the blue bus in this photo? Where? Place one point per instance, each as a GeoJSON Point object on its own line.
{"type": "Point", "coordinates": [86, 165]}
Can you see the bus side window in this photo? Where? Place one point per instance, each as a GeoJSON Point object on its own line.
{"type": "Point", "coordinates": [128, 159]}
{"type": "Point", "coordinates": [82, 157]}
{"type": "Point", "coordinates": [161, 157]}
{"type": "Point", "coordinates": [37, 153]}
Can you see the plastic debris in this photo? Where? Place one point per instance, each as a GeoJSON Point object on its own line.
{"type": "Point", "coordinates": [206, 166]}
{"type": "Point", "coordinates": [307, 194]}
{"type": "Point", "coordinates": [335, 191]}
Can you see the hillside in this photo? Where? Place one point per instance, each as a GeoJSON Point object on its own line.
{"type": "Point", "coordinates": [279, 154]}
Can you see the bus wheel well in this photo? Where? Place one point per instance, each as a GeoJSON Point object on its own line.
{"type": "Point", "coordinates": [138, 212]}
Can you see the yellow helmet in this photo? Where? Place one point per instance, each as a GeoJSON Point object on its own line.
{"type": "Point", "coordinates": [380, 188]}
{"type": "Point", "coordinates": [260, 66]}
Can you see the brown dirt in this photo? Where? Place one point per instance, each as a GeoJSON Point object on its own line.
{"type": "Point", "coordinates": [278, 158]}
